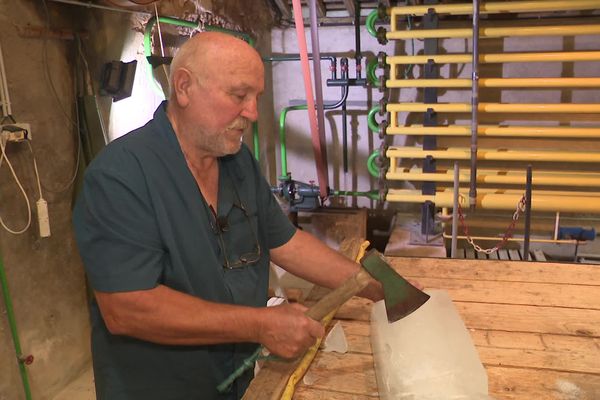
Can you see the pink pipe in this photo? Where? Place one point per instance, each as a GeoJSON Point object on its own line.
{"type": "Point", "coordinates": [310, 100]}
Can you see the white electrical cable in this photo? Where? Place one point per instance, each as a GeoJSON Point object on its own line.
{"type": "Point", "coordinates": [162, 47]}
{"type": "Point", "coordinates": [35, 169]}
{"type": "Point", "coordinates": [2, 157]}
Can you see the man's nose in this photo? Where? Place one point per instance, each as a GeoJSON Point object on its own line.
{"type": "Point", "coordinates": [250, 110]}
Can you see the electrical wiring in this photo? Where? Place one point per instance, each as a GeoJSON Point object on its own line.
{"type": "Point", "coordinates": [12, 170]}
{"type": "Point", "coordinates": [35, 169]}
{"type": "Point", "coordinates": [74, 123]}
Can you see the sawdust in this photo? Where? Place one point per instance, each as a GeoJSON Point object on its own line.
{"type": "Point", "coordinates": [569, 390]}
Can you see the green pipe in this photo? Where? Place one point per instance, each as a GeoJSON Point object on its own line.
{"type": "Point", "coordinates": [190, 24]}
{"type": "Point", "coordinates": [373, 79]}
{"type": "Point", "coordinates": [148, 45]}
{"type": "Point", "coordinates": [372, 194]}
{"type": "Point", "coordinates": [14, 332]}
{"type": "Point", "coordinates": [373, 125]}
{"type": "Point", "coordinates": [370, 22]}
{"type": "Point", "coordinates": [282, 117]}
{"type": "Point", "coordinates": [373, 169]}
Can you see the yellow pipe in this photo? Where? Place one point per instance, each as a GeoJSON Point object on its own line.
{"type": "Point", "coordinates": [513, 239]}
{"type": "Point", "coordinates": [501, 201]}
{"type": "Point", "coordinates": [496, 108]}
{"type": "Point", "coordinates": [495, 82]}
{"type": "Point", "coordinates": [445, 213]}
{"type": "Point", "coordinates": [555, 56]}
{"type": "Point", "coordinates": [551, 178]}
{"type": "Point", "coordinates": [496, 32]}
{"type": "Point", "coordinates": [498, 7]}
{"type": "Point", "coordinates": [463, 153]}
{"type": "Point", "coordinates": [497, 131]}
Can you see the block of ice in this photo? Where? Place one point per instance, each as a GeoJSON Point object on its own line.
{"type": "Point", "coordinates": [428, 355]}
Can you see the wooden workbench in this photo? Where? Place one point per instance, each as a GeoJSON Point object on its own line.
{"type": "Point", "coordinates": [536, 327]}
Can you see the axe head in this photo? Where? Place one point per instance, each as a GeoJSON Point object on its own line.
{"type": "Point", "coordinates": [401, 298]}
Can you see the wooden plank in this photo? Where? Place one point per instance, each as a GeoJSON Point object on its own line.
{"type": "Point", "coordinates": [349, 373]}
{"type": "Point", "coordinates": [501, 271]}
{"type": "Point", "coordinates": [494, 255]}
{"type": "Point", "coordinates": [308, 393]}
{"type": "Point", "coordinates": [517, 318]}
{"type": "Point", "coordinates": [480, 255]}
{"type": "Point", "coordinates": [538, 351]}
{"type": "Point", "coordinates": [528, 384]}
{"type": "Point", "coordinates": [525, 293]}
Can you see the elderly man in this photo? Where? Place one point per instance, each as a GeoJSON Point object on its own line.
{"type": "Point", "coordinates": [176, 228]}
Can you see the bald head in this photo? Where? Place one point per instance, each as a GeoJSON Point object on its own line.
{"type": "Point", "coordinates": [209, 53]}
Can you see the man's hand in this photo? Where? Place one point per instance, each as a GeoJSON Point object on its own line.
{"type": "Point", "coordinates": [287, 332]}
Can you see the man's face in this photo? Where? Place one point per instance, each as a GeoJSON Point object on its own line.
{"type": "Point", "coordinates": [224, 104]}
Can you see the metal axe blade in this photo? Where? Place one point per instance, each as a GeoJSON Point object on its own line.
{"type": "Point", "coordinates": [401, 298]}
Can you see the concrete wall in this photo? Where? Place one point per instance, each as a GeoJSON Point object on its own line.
{"type": "Point", "coordinates": [44, 274]}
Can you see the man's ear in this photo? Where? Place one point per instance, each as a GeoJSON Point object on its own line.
{"type": "Point", "coordinates": [182, 82]}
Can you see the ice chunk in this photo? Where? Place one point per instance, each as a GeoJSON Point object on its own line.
{"type": "Point", "coordinates": [336, 340]}
{"type": "Point", "coordinates": [428, 355]}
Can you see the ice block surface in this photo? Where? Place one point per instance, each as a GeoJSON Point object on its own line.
{"type": "Point", "coordinates": [428, 355]}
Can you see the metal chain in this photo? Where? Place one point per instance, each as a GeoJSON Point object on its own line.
{"type": "Point", "coordinates": [507, 234]}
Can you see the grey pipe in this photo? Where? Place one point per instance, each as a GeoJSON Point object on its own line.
{"type": "Point", "coordinates": [314, 36]}
{"type": "Point", "coordinates": [528, 190]}
{"type": "Point", "coordinates": [453, 248]}
{"type": "Point", "coordinates": [474, 105]}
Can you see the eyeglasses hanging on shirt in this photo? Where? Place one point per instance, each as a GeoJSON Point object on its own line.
{"type": "Point", "coordinates": [221, 224]}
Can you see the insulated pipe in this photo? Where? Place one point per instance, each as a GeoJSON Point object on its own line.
{"type": "Point", "coordinates": [462, 153]}
{"type": "Point", "coordinates": [577, 202]}
{"type": "Point", "coordinates": [314, 36]}
{"type": "Point", "coordinates": [321, 172]}
{"type": "Point", "coordinates": [524, 108]}
{"type": "Point", "coordinates": [474, 104]}
{"type": "Point", "coordinates": [555, 56]}
{"type": "Point", "coordinates": [496, 131]}
{"type": "Point", "coordinates": [496, 32]}
{"type": "Point", "coordinates": [496, 82]}
{"type": "Point", "coordinates": [500, 177]}
{"type": "Point", "coordinates": [497, 7]}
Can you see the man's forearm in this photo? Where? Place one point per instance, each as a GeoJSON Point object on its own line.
{"type": "Point", "coordinates": [165, 316]}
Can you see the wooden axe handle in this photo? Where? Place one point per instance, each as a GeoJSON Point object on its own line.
{"type": "Point", "coordinates": [339, 296]}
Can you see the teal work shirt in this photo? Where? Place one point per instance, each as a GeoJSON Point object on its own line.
{"type": "Point", "coordinates": [141, 221]}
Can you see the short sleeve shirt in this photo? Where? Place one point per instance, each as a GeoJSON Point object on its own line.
{"type": "Point", "coordinates": [141, 221]}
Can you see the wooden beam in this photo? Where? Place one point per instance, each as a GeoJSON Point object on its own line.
{"type": "Point", "coordinates": [321, 9]}
{"type": "Point", "coordinates": [351, 7]}
{"type": "Point", "coordinates": [284, 8]}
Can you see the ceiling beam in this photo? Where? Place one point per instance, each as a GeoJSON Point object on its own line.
{"type": "Point", "coordinates": [351, 7]}
{"type": "Point", "coordinates": [284, 8]}
{"type": "Point", "coordinates": [321, 10]}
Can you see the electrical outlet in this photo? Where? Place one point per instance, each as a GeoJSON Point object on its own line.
{"type": "Point", "coordinates": [16, 132]}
